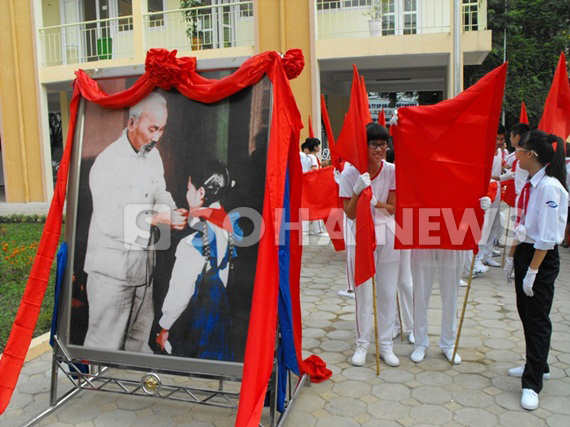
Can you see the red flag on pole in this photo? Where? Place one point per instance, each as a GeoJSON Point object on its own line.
{"type": "Point", "coordinates": [364, 100]}
{"type": "Point", "coordinates": [523, 118]}
{"type": "Point", "coordinates": [382, 118]}
{"type": "Point", "coordinates": [328, 129]}
{"type": "Point", "coordinates": [556, 115]}
{"type": "Point", "coordinates": [311, 133]}
{"type": "Point", "coordinates": [352, 146]}
{"type": "Point", "coordinates": [445, 155]}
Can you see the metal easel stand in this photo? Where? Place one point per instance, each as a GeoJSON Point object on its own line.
{"type": "Point", "coordinates": [150, 385]}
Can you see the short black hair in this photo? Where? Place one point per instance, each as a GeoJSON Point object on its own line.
{"type": "Point", "coordinates": [520, 129]}
{"type": "Point", "coordinates": [376, 132]}
{"type": "Point", "coordinates": [501, 130]}
{"type": "Point", "coordinates": [310, 144]}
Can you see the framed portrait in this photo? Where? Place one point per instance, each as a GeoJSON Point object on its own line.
{"type": "Point", "coordinates": [163, 219]}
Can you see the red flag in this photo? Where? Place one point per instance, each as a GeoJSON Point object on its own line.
{"type": "Point", "coordinates": [382, 118]}
{"type": "Point", "coordinates": [523, 118]}
{"type": "Point", "coordinates": [311, 133]}
{"type": "Point", "coordinates": [352, 146]}
{"type": "Point", "coordinates": [445, 155]}
{"type": "Point", "coordinates": [365, 106]}
{"type": "Point", "coordinates": [556, 115]}
{"type": "Point", "coordinates": [334, 156]}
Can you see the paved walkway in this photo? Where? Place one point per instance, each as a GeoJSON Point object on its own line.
{"type": "Point", "coordinates": [476, 393]}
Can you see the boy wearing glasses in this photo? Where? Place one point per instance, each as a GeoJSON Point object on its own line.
{"type": "Point", "coordinates": [381, 177]}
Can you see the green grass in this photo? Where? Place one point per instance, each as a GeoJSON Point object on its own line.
{"type": "Point", "coordinates": [18, 246]}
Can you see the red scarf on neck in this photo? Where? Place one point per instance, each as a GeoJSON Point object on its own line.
{"type": "Point", "coordinates": [216, 216]}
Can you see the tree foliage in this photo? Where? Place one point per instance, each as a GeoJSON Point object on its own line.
{"type": "Point", "coordinates": [537, 31]}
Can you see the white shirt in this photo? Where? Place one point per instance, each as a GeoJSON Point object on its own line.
{"type": "Point", "coordinates": [382, 184]}
{"type": "Point", "coordinates": [568, 175]}
{"type": "Point", "coordinates": [497, 163]}
{"type": "Point", "coordinates": [521, 177]}
{"type": "Point", "coordinates": [546, 214]}
{"type": "Point", "coordinates": [312, 161]}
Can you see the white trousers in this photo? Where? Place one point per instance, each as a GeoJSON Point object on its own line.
{"type": "Point", "coordinates": [492, 229]}
{"type": "Point", "coordinates": [348, 234]}
{"type": "Point", "coordinates": [450, 263]}
{"type": "Point", "coordinates": [405, 292]}
{"type": "Point", "coordinates": [120, 316]}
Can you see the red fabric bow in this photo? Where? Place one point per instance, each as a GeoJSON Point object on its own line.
{"type": "Point", "coordinates": [215, 216]}
{"type": "Point", "coordinates": [293, 63]}
{"type": "Point", "coordinates": [162, 68]}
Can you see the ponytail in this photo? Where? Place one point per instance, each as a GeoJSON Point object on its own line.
{"type": "Point", "coordinates": [557, 166]}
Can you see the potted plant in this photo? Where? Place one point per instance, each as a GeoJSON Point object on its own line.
{"type": "Point", "coordinates": [375, 12]}
{"type": "Point", "coordinates": [192, 18]}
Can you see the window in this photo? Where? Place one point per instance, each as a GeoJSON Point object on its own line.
{"type": "Point", "coordinates": [400, 17]}
{"type": "Point", "coordinates": [158, 19]}
{"type": "Point", "coordinates": [125, 8]}
{"type": "Point", "coordinates": [470, 15]}
{"type": "Point", "coordinates": [410, 17]}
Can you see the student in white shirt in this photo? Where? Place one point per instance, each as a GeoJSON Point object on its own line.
{"type": "Point", "coordinates": [310, 162]}
{"type": "Point", "coordinates": [566, 242]}
{"type": "Point", "coordinates": [540, 227]}
{"type": "Point", "coordinates": [381, 177]}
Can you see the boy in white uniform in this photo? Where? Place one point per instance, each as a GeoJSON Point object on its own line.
{"type": "Point", "coordinates": [381, 177]}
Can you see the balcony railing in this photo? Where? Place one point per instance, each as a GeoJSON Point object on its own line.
{"type": "Point", "coordinates": [87, 41]}
{"type": "Point", "coordinates": [350, 18]}
{"type": "Point", "coordinates": [204, 27]}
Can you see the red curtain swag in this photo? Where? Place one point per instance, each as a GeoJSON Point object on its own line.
{"type": "Point", "coordinates": [164, 70]}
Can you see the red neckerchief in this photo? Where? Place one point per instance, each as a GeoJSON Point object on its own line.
{"type": "Point", "coordinates": [522, 204]}
{"type": "Point", "coordinates": [216, 216]}
{"type": "Point", "coordinates": [515, 163]}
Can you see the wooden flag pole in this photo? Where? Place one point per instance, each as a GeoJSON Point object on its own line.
{"type": "Point", "coordinates": [400, 317]}
{"type": "Point", "coordinates": [463, 311]}
{"type": "Point", "coordinates": [506, 238]}
{"type": "Point", "coordinates": [375, 305]}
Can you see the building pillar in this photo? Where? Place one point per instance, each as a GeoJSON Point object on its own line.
{"type": "Point", "coordinates": [26, 168]}
{"type": "Point", "coordinates": [288, 24]}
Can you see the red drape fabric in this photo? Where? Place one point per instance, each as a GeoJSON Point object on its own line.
{"type": "Point", "coordinates": [364, 99]}
{"type": "Point", "coordinates": [311, 132]}
{"type": "Point", "coordinates": [445, 154]}
{"type": "Point", "coordinates": [523, 116]}
{"type": "Point", "coordinates": [556, 114]}
{"type": "Point", "coordinates": [330, 136]}
{"type": "Point", "coordinates": [320, 198]}
{"type": "Point", "coordinates": [382, 118]}
{"type": "Point", "coordinates": [164, 70]}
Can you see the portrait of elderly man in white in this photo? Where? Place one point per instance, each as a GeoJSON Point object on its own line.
{"type": "Point", "coordinates": [127, 177]}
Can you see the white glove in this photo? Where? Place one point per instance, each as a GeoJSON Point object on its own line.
{"type": "Point", "coordinates": [394, 120]}
{"type": "Point", "coordinates": [373, 202]}
{"type": "Point", "coordinates": [507, 175]}
{"type": "Point", "coordinates": [529, 281]}
{"type": "Point", "coordinates": [336, 174]}
{"type": "Point", "coordinates": [485, 203]}
{"type": "Point", "coordinates": [508, 269]}
{"type": "Point", "coordinates": [362, 183]}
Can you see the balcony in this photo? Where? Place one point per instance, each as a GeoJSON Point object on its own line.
{"type": "Point", "coordinates": [127, 38]}
{"type": "Point", "coordinates": [349, 18]}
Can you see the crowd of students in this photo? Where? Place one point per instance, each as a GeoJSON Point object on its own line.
{"type": "Point", "coordinates": [540, 172]}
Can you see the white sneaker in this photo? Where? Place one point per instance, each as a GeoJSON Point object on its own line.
{"type": "Point", "coordinates": [418, 355]}
{"type": "Point", "coordinates": [519, 370]}
{"type": "Point", "coordinates": [449, 354]}
{"type": "Point", "coordinates": [346, 294]}
{"type": "Point", "coordinates": [396, 333]}
{"type": "Point", "coordinates": [496, 253]}
{"type": "Point", "coordinates": [462, 283]}
{"type": "Point", "coordinates": [359, 358]}
{"type": "Point", "coordinates": [529, 399]}
{"type": "Point", "coordinates": [479, 268]}
{"type": "Point", "coordinates": [491, 262]}
{"type": "Point", "coordinates": [411, 338]}
{"type": "Point", "coordinates": [390, 359]}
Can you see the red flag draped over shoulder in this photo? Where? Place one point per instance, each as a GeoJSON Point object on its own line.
{"type": "Point", "coordinates": [352, 147]}
{"type": "Point", "coordinates": [445, 155]}
{"type": "Point", "coordinates": [164, 70]}
{"type": "Point", "coordinates": [523, 117]}
{"type": "Point", "coordinates": [556, 115]}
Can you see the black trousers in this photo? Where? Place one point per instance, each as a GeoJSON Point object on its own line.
{"type": "Point", "coordinates": [535, 311]}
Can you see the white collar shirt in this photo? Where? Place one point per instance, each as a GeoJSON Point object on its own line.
{"type": "Point", "coordinates": [545, 218]}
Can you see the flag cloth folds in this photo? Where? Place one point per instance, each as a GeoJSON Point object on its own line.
{"type": "Point", "coordinates": [445, 154]}
{"type": "Point", "coordinates": [352, 147]}
{"type": "Point", "coordinates": [556, 114]}
{"type": "Point", "coordinates": [523, 117]}
{"type": "Point", "coordinates": [311, 133]}
{"type": "Point", "coordinates": [382, 118]}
